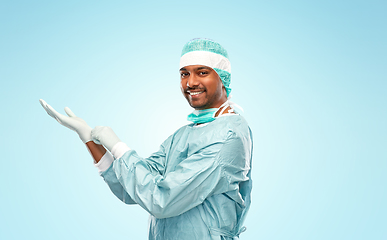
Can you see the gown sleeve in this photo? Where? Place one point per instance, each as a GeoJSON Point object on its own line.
{"type": "Point", "coordinates": [156, 162]}
{"type": "Point", "coordinates": [218, 167]}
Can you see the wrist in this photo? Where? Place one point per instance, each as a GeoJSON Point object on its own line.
{"type": "Point", "coordinates": [96, 151]}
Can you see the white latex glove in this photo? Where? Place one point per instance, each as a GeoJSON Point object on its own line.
{"type": "Point", "coordinates": [105, 136]}
{"type": "Point", "coordinates": [71, 121]}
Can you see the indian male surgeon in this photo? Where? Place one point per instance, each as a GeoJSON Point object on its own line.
{"type": "Point", "coordinates": [198, 184]}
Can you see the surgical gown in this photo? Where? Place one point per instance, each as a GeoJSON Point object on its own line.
{"type": "Point", "coordinates": [197, 186]}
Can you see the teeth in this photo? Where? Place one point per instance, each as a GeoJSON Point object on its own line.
{"type": "Point", "coordinates": [194, 93]}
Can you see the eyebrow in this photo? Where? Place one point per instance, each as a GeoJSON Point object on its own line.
{"type": "Point", "coordinates": [199, 68]}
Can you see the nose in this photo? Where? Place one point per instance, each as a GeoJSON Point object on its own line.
{"type": "Point", "coordinates": [192, 81]}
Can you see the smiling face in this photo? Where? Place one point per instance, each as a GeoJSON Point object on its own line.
{"type": "Point", "coordinates": [202, 87]}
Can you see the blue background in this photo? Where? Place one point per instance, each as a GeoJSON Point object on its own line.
{"type": "Point", "coordinates": [310, 75]}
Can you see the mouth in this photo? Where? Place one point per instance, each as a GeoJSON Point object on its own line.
{"type": "Point", "coordinates": [194, 93]}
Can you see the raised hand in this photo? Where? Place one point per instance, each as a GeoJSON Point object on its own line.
{"type": "Point", "coordinates": [71, 121]}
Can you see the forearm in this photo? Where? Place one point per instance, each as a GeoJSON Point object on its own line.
{"type": "Point", "coordinates": [96, 150]}
{"type": "Point", "coordinates": [103, 160]}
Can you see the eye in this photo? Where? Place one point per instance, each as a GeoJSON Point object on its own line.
{"type": "Point", "coordinates": [202, 73]}
{"type": "Point", "coordinates": [184, 74]}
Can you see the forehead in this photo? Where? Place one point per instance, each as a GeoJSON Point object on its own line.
{"type": "Point", "coordinates": [195, 68]}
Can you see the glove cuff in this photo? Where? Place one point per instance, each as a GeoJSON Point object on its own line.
{"type": "Point", "coordinates": [105, 162]}
{"type": "Point", "coordinates": [119, 149]}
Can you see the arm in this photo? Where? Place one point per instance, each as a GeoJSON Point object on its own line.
{"type": "Point", "coordinates": [215, 169]}
{"type": "Point", "coordinates": [218, 167]}
{"type": "Point", "coordinates": [103, 161]}
{"type": "Point", "coordinates": [156, 162]}
{"type": "Point", "coordinates": [100, 155]}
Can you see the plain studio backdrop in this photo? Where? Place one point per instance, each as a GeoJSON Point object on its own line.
{"type": "Point", "coordinates": [310, 76]}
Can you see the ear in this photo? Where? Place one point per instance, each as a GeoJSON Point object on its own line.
{"type": "Point", "coordinates": [224, 91]}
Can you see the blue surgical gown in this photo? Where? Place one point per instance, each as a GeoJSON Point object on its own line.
{"type": "Point", "coordinates": [197, 186]}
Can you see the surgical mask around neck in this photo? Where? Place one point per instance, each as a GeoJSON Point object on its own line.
{"type": "Point", "coordinates": [202, 116]}
{"type": "Point", "coordinates": [206, 115]}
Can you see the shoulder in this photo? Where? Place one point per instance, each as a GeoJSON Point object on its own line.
{"type": "Point", "coordinates": [235, 124]}
{"type": "Point", "coordinates": [237, 148]}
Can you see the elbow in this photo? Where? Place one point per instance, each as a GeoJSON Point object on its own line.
{"type": "Point", "coordinates": [165, 212]}
{"type": "Point", "coordinates": [160, 212]}
{"type": "Point", "coordinates": [159, 215]}
{"type": "Point", "coordinates": [130, 202]}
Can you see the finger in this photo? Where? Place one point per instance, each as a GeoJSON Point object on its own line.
{"type": "Point", "coordinates": [95, 132]}
{"type": "Point", "coordinates": [45, 106]}
{"type": "Point", "coordinates": [51, 111]}
{"type": "Point", "coordinates": [42, 102]}
{"type": "Point", "coordinates": [95, 135]}
{"type": "Point", "coordinates": [69, 112]}
{"type": "Point", "coordinates": [96, 141]}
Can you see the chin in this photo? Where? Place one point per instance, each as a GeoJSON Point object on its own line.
{"type": "Point", "coordinates": [197, 106]}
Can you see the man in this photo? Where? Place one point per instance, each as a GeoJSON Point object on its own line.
{"type": "Point", "coordinates": [198, 185]}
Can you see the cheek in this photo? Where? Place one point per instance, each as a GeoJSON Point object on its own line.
{"type": "Point", "coordinates": [217, 85]}
{"type": "Point", "coordinates": [182, 86]}
{"type": "Point", "coordinates": [218, 88]}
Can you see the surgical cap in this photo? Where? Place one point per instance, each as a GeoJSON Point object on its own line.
{"type": "Point", "coordinates": [206, 52]}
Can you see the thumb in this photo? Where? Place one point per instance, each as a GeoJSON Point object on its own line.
{"type": "Point", "coordinates": [69, 112]}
